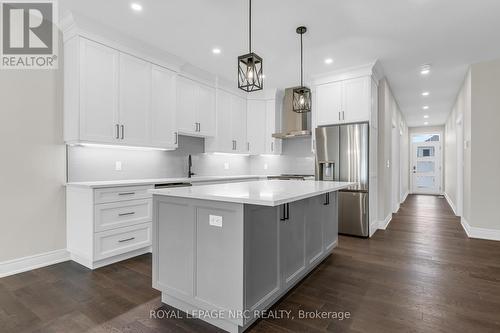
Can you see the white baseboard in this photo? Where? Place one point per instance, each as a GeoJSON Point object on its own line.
{"type": "Point", "coordinates": [24, 264]}
{"type": "Point", "coordinates": [405, 196]}
{"type": "Point", "coordinates": [452, 205]}
{"type": "Point", "coordinates": [480, 233]}
{"type": "Point", "coordinates": [385, 223]}
{"type": "Point", "coordinates": [373, 227]}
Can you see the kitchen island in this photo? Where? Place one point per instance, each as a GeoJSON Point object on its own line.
{"type": "Point", "coordinates": [226, 252]}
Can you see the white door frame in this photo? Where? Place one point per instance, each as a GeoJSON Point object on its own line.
{"type": "Point", "coordinates": [460, 165]}
{"type": "Point", "coordinates": [441, 160]}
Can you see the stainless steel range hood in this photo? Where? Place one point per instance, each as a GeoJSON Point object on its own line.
{"type": "Point", "coordinates": [293, 124]}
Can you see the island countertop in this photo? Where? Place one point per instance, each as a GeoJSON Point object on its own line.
{"type": "Point", "coordinates": [264, 193]}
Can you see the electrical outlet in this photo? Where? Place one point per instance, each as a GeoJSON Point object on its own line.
{"type": "Point", "coordinates": [226, 165]}
{"type": "Point", "coordinates": [265, 166]}
{"type": "Point", "coordinates": [118, 165]}
{"type": "Point", "coordinates": [215, 220]}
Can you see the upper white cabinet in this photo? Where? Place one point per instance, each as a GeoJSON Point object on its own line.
{"type": "Point", "coordinates": [135, 100]}
{"type": "Point", "coordinates": [256, 133]}
{"type": "Point", "coordinates": [111, 97]}
{"type": "Point", "coordinates": [231, 133]}
{"type": "Point", "coordinates": [91, 92]}
{"type": "Point", "coordinates": [163, 108]}
{"type": "Point", "coordinates": [195, 108]}
{"type": "Point", "coordinates": [345, 101]}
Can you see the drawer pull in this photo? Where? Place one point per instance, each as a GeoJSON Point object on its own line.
{"type": "Point", "coordinates": [125, 214]}
{"type": "Point", "coordinates": [127, 193]}
{"type": "Point", "coordinates": [126, 240]}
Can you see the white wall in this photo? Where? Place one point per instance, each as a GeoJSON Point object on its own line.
{"type": "Point", "coordinates": [32, 170]}
{"type": "Point", "coordinates": [392, 175]}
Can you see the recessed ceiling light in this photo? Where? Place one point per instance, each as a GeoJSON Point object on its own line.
{"type": "Point", "coordinates": [328, 61]}
{"type": "Point", "coordinates": [216, 50]}
{"type": "Point", "coordinates": [425, 93]}
{"type": "Point", "coordinates": [426, 123]}
{"type": "Point", "coordinates": [425, 107]}
{"type": "Point", "coordinates": [426, 116]}
{"type": "Point", "coordinates": [136, 6]}
{"type": "Point", "coordinates": [425, 69]}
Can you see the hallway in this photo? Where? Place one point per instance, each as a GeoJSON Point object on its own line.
{"type": "Point", "coordinates": [422, 274]}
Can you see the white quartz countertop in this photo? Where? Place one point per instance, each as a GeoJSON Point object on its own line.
{"type": "Point", "coordinates": [263, 192]}
{"type": "Point", "coordinates": [132, 182]}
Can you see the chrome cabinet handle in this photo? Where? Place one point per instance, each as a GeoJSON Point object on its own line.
{"type": "Point", "coordinates": [343, 115]}
{"type": "Point", "coordinates": [199, 127]}
{"type": "Point", "coordinates": [176, 135]}
{"type": "Point", "coordinates": [126, 240]}
{"type": "Point", "coordinates": [272, 146]}
{"type": "Point", "coordinates": [248, 146]}
{"type": "Point", "coordinates": [123, 132]}
{"type": "Point", "coordinates": [327, 199]}
{"type": "Point", "coordinates": [126, 193]}
{"type": "Point", "coordinates": [117, 131]}
{"type": "Point", "coordinates": [339, 115]}
{"type": "Point", "coordinates": [286, 212]}
{"type": "Point", "coordinates": [125, 214]}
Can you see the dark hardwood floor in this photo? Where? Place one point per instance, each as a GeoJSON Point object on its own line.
{"type": "Point", "coordinates": [422, 274]}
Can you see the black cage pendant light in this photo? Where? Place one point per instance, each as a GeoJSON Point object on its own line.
{"type": "Point", "coordinates": [250, 76]}
{"type": "Point", "coordinates": [301, 95]}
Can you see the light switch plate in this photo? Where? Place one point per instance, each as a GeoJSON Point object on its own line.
{"type": "Point", "coordinates": [215, 220]}
{"type": "Point", "coordinates": [118, 165]}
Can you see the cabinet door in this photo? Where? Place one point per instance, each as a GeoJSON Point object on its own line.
{"type": "Point", "coordinates": [292, 238]}
{"type": "Point", "coordinates": [357, 100]}
{"type": "Point", "coordinates": [187, 95]}
{"type": "Point", "coordinates": [331, 218]}
{"type": "Point", "coordinates": [224, 138]}
{"type": "Point", "coordinates": [135, 100]}
{"type": "Point", "coordinates": [329, 103]}
{"type": "Point", "coordinates": [205, 110]}
{"type": "Point", "coordinates": [273, 145]}
{"type": "Point", "coordinates": [239, 123]}
{"type": "Point", "coordinates": [256, 130]}
{"type": "Point", "coordinates": [314, 219]}
{"type": "Point", "coordinates": [163, 95]}
{"type": "Point", "coordinates": [98, 93]}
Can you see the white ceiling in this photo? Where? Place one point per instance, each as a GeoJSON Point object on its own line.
{"type": "Point", "coordinates": [401, 34]}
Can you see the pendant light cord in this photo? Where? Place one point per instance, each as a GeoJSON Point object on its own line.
{"type": "Point", "coordinates": [301, 63]}
{"type": "Point", "coordinates": [249, 26]}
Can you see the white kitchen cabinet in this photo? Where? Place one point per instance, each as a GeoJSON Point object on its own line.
{"type": "Point", "coordinates": [163, 108]}
{"type": "Point", "coordinates": [94, 93]}
{"type": "Point", "coordinates": [329, 103]}
{"type": "Point", "coordinates": [112, 97]}
{"type": "Point", "coordinates": [195, 108]}
{"type": "Point", "coordinates": [256, 120]}
{"type": "Point", "coordinates": [273, 114]}
{"type": "Point", "coordinates": [231, 132]}
{"type": "Point", "coordinates": [135, 100]}
{"type": "Point", "coordinates": [292, 239]}
{"type": "Point", "coordinates": [345, 101]}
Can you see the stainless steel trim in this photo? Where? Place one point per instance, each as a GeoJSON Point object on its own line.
{"type": "Point", "coordinates": [292, 134]}
{"type": "Point", "coordinates": [126, 214]}
{"type": "Point", "coordinates": [126, 240]}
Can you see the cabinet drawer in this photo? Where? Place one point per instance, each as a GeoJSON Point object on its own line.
{"type": "Point", "coordinates": [114, 194]}
{"type": "Point", "coordinates": [118, 241]}
{"type": "Point", "coordinates": [121, 214]}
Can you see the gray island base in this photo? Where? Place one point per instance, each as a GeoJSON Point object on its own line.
{"type": "Point", "coordinates": [227, 262]}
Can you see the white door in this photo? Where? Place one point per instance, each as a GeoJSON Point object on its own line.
{"type": "Point", "coordinates": [329, 103]}
{"type": "Point", "coordinates": [224, 139]}
{"type": "Point", "coordinates": [239, 123]}
{"type": "Point", "coordinates": [98, 93]}
{"type": "Point", "coordinates": [356, 106]}
{"type": "Point", "coordinates": [135, 100]}
{"type": "Point", "coordinates": [205, 110]}
{"type": "Point", "coordinates": [256, 126]}
{"type": "Point", "coordinates": [273, 145]}
{"type": "Point", "coordinates": [426, 164]}
{"type": "Point", "coordinates": [163, 104]}
{"type": "Point", "coordinates": [186, 105]}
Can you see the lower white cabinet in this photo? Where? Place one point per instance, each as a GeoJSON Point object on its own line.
{"type": "Point", "coordinates": [107, 225]}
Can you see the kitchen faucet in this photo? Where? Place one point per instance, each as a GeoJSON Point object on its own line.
{"type": "Point", "coordinates": [190, 165]}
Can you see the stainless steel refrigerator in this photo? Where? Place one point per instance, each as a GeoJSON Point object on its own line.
{"type": "Point", "coordinates": [342, 153]}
